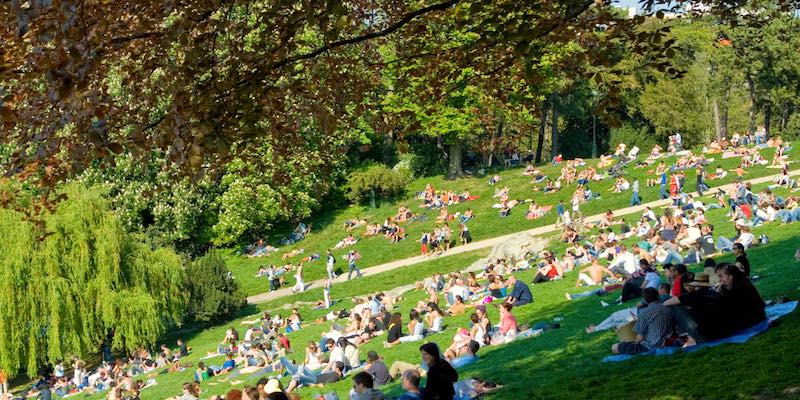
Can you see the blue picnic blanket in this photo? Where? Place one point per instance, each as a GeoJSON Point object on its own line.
{"type": "Point", "coordinates": [773, 312]}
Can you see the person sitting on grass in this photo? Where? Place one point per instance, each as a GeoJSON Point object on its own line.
{"type": "Point", "coordinates": [593, 274]}
{"type": "Point", "coordinates": [304, 376]}
{"type": "Point", "coordinates": [410, 384]}
{"type": "Point", "coordinates": [441, 375]}
{"type": "Point", "coordinates": [226, 367]}
{"type": "Point", "coordinates": [520, 292]}
{"type": "Point", "coordinates": [549, 271]}
{"type": "Point", "coordinates": [508, 326]}
{"type": "Point", "coordinates": [697, 312]}
{"type": "Point", "coordinates": [363, 388]}
{"type": "Point", "coordinates": [654, 326]}
{"type": "Point", "coordinates": [741, 304]}
{"type": "Point", "coordinates": [469, 357]}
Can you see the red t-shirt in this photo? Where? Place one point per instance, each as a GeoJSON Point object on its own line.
{"type": "Point", "coordinates": [676, 286]}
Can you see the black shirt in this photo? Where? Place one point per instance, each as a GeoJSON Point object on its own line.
{"type": "Point", "coordinates": [439, 384]}
{"type": "Point", "coordinates": [707, 244]}
{"type": "Point", "coordinates": [328, 377]}
{"type": "Point", "coordinates": [703, 305]}
{"type": "Point", "coordinates": [742, 259]}
{"type": "Point", "coordinates": [395, 332]}
{"type": "Point", "coordinates": [742, 307]}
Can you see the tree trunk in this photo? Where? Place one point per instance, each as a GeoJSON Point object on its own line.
{"type": "Point", "coordinates": [767, 116]}
{"type": "Point", "coordinates": [751, 91]}
{"type": "Point", "coordinates": [785, 110]}
{"type": "Point", "coordinates": [540, 143]}
{"type": "Point", "coordinates": [554, 131]}
{"type": "Point", "coordinates": [372, 203]}
{"type": "Point", "coordinates": [717, 122]}
{"type": "Point", "coordinates": [454, 161]}
{"type": "Point", "coordinates": [723, 120]}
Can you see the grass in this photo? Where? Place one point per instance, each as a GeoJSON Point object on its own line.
{"type": "Point", "coordinates": [377, 250]}
{"type": "Point", "coordinates": [565, 363]}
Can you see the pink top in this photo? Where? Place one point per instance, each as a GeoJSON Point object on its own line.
{"type": "Point", "coordinates": [507, 323]}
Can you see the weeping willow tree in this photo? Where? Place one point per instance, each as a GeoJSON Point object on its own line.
{"type": "Point", "coordinates": [62, 295]}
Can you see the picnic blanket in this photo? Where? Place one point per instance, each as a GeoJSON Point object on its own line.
{"type": "Point", "coordinates": [773, 312]}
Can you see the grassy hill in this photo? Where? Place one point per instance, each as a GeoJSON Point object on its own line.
{"type": "Point", "coordinates": [327, 227]}
{"type": "Point", "coordinates": [565, 363]}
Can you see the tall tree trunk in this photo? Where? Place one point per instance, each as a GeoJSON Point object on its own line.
{"type": "Point", "coordinates": [554, 131]}
{"type": "Point", "coordinates": [767, 116]}
{"type": "Point", "coordinates": [723, 120]}
{"type": "Point", "coordinates": [785, 110]}
{"type": "Point", "coordinates": [717, 122]}
{"type": "Point", "coordinates": [542, 125]}
{"type": "Point", "coordinates": [454, 160]}
{"type": "Point", "coordinates": [751, 91]}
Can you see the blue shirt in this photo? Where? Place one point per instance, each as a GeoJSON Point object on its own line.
{"type": "Point", "coordinates": [560, 209]}
{"type": "Point", "coordinates": [409, 396]}
{"type": "Point", "coordinates": [521, 292]}
{"type": "Point", "coordinates": [459, 362]}
{"type": "Point", "coordinates": [229, 364]}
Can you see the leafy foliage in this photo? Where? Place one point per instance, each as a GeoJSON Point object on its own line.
{"type": "Point", "coordinates": [60, 296]}
{"type": "Point", "coordinates": [213, 293]}
{"type": "Point", "coordinates": [376, 180]}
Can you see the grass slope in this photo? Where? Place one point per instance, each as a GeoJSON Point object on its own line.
{"type": "Point", "coordinates": [377, 250]}
{"type": "Point", "coordinates": [565, 363]}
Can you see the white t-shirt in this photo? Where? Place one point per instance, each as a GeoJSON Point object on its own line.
{"type": "Point", "coordinates": [746, 239]}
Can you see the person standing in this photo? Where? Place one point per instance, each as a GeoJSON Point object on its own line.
{"type": "Point", "coordinates": [700, 184]}
{"type": "Point", "coordinates": [351, 264]}
{"type": "Point", "coordinates": [635, 200]}
{"type": "Point", "coordinates": [300, 285]}
{"type": "Point", "coordinates": [331, 262]}
{"type": "Point", "coordinates": [272, 277]}
{"type": "Point", "coordinates": [326, 292]}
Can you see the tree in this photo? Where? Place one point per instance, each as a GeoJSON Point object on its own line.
{"type": "Point", "coordinates": [61, 294]}
{"type": "Point", "coordinates": [203, 80]}
{"type": "Point", "coordinates": [213, 293]}
{"type": "Point", "coordinates": [373, 181]}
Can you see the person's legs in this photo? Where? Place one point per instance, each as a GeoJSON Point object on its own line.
{"type": "Point", "coordinates": [398, 367]}
{"type": "Point", "coordinates": [586, 279]}
{"type": "Point", "coordinates": [724, 244]}
{"type": "Point", "coordinates": [685, 323]}
{"type": "Point", "coordinates": [673, 257]}
{"type": "Point", "coordinates": [632, 289]}
{"type": "Point", "coordinates": [350, 269]}
{"type": "Point", "coordinates": [616, 319]}
{"type": "Point", "coordinates": [290, 368]}
{"type": "Point", "coordinates": [589, 293]}
{"type": "Point", "coordinates": [540, 278]}
{"type": "Point", "coordinates": [628, 348]}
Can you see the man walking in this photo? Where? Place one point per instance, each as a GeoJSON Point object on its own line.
{"type": "Point", "coordinates": [331, 262]}
{"type": "Point", "coordinates": [351, 264]}
{"type": "Point", "coordinates": [635, 200]}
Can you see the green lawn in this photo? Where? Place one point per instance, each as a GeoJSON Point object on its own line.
{"type": "Point", "coordinates": [328, 230]}
{"type": "Point", "coordinates": [565, 363]}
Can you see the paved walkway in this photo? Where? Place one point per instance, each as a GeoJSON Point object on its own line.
{"type": "Point", "coordinates": [486, 243]}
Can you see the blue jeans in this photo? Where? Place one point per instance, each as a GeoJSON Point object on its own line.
{"type": "Point", "coordinates": [635, 200]}
{"type": "Point", "coordinates": [673, 257]}
{"type": "Point", "coordinates": [663, 192]}
{"type": "Point", "coordinates": [352, 267]}
{"type": "Point", "coordinates": [589, 293]}
{"type": "Point", "coordinates": [724, 244]}
{"type": "Point", "coordinates": [299, 373]}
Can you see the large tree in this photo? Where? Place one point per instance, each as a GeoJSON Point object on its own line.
{"type": "Point", "coordinates": [64, 294]}
{"type": "Point", "coordinates": [203, 79]}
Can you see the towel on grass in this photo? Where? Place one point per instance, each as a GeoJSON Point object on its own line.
{"type": "Point", "coordinates": [773, 312]}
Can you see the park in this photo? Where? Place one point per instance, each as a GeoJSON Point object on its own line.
{"type": "Point", "coordinates": [413, 200]}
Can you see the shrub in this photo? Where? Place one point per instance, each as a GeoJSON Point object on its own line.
{"type": "Point", "coordinates": [374, 181]}
{"type": "Point", "coordinates": [213, 293]}
{"type": "Point", "coordinates": [633, 135]}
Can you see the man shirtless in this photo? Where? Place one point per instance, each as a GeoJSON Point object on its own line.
{"type": "Point", "coordinates": [593, 274]}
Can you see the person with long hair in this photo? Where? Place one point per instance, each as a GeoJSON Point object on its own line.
{"type": "Point", "coordinates": [741, 304]}
{"type": "Point", "coordinates": [441, 375]}
{"type": "Point", "coordinates": [435, 318]}
{"type": "Point", "coordinates": [416, 328]}
{"type": "Point", "coordinates": [395, 330]}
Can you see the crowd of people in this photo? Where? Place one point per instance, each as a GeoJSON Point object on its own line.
{"type": "Point", "coordinates": [645, 259]}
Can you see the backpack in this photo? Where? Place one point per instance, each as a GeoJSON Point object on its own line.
{"type": "Point", "coordinates": [763, 239]}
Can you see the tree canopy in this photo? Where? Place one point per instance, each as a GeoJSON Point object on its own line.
{"type": "Point", "coordinates": [62, 295]}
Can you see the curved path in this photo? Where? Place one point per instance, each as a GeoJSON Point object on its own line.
{"type": "Point", "coordinates": [486, 243]}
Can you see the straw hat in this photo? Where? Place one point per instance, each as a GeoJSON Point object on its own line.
{"type": "Point", "coordinates": [700, 279]}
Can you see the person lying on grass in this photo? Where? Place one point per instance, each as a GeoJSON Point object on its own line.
{"type": "Point", "coordinates": [306, 377]}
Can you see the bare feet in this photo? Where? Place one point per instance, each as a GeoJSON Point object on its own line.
{"type": "Point", "coordinates": [689, 342]}
{"type": "Point", "coordinates": [590, 329]}
{"type": "Point", "coordinates": [567, 296]}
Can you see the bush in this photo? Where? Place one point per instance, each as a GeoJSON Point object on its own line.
{"type": "Point", "coordinates": [213, 293]}
{"type": "Point", "coordinates": [633, 135]}
{"type": "Point", "coordinates": [374, 181]}
{"type": "Point", "coordinates": [792, 131]}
